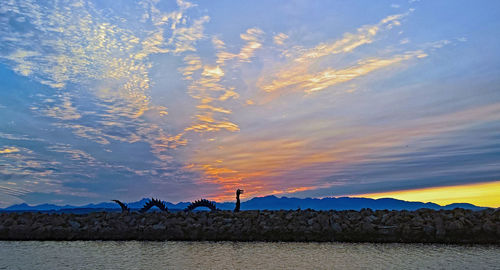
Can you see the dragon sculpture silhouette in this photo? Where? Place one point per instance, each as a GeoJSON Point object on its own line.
{"type": "Point", "coordinates": [154, 202]}
{"type": "Point", "coordinates": [123, 206]}
{"type": "Point", "coordinates": [163, 206]}
{"type": "Point", "coordinates": [150, 203]}
{"type": "Point", "coordinates": [201, 203]}
{"type": "Point", "coordinates": [238, 193]}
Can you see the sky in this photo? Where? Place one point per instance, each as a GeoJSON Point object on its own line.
{"type": "Point", "coordinates": [181, 100]}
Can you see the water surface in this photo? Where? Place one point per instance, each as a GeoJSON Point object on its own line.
{"type": "Point", "coordinates": [242, 255]}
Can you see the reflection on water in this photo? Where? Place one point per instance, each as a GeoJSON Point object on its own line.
{"type": "Point", "coordinates": [237, 255]}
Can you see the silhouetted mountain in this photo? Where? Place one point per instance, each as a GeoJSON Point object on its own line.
{"type": "Point", "coordinates": [262, 203]}
{"type": "Point", "coordinates": [26, 207]}
{"type": "Point", "coordinates": [461, 205]}
{"type": "Point", "coordinates": [343, 203]}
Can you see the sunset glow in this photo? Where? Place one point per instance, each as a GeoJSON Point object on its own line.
{"type": "Point", "coordinates": [481, 194]}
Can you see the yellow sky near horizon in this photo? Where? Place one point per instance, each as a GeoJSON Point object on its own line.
{"type": "Point", "coordinates": [481, 194]}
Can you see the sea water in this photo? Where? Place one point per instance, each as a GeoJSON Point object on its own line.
{"type": "Point", "coordinates": [243, 255]}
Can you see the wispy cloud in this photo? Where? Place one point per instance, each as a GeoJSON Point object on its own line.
{"type": "Point", "coordinates": [82, 46]}
{"type": "Point", "coordinates": [298, 74]}
{"type": "Point", "coordinates": [208, 83]}
{"type": "Point", "coordinates": [329, 77]}
{"type": "Point", "coordinates": [350, 41]}
{"type": "Point", "coordinates": [8, 150]}
{"type": "Point", "coordinates": [280, 38]}
{"type": "Point", "coordinates": [252, 37]}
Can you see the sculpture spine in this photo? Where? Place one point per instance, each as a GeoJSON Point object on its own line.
{"type": "Point", "coordinates": [154, 202]}
{"type": "Point", "coordinates": [201, 203]}
{"type": "Point", "coordinates": [123, 206]}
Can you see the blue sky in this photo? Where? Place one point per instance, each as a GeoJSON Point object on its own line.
{"type": "Point", "coordinates": [181, 100]}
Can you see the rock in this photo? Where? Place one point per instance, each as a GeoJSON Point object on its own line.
{"type": "Point", "coordinates": [370, 218]}
{"type": "Point", "coordinates": [310, 221]}
{"type": "Point", "coordinates": [202, 219]}
{"type": "Point", "coordinates": [9, 222]}
{"type": "Point", "coordinates": [324, 221]}
{"type": "Point", "coordinates": [316, 227]}
{"type": "Point", "coordinates": [489, 227]}
{"type": "Point", "coordinates": [74, 224]}
{"type": "Point", "coordinates": [159, 226]}
{"type": "Point", "coordinates": [367, 227]}
{"type": "Point", "coordinates": [366, 212]}
{"type": "Point", "coordinates": [439, 225]}
{"type": "Point", "coordinates": [127, 219]}
{"type": "Point", "coordinates": [406, 230]}
{"type": "Point", "coordinates": [429, 230]}
{"type": "Point", "coordinates": [454, 226]}
{"type": "Point", "coordinates": [467, 223]}
{"type": "Point", "coordinates": [336, 228]}
{"type": "Point", "coordinates": [424, 225]}
{"type": "Point", "coordinates": [175, 233]}
{"type": "Point", "coordinates": [385, 218]}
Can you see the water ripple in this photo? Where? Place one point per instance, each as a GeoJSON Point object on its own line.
{"type": "Point", "coordinates": [237, 255]}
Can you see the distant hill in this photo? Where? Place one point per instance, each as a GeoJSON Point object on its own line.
{"type": "Point", "coordinates": [260, 203]}
{"type": "Point", "coordinates": [344, 203]}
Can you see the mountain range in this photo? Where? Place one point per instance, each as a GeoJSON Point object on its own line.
{"type": "Point", "coordinates": [259, 203]}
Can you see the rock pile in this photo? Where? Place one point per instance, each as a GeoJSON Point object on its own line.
{"type": "Point", "coordinates": [423, 226]}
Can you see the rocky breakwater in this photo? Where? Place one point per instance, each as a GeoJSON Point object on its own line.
{"type": "Point", "coordinates": [424, 225]}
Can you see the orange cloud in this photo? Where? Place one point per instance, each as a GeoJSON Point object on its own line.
{"type": "Point", "coordinates": [310, 82]}
{"type": "Point", "coordinates": [280, 38]}
{"type": "Point", "coordinates": [350, 41]}
{"type": "Point", "coordinates": [9, 150]}
{"type": "Point", "coordinates": [208, 87]}
{"type": "Point", "coordinates": [252, 36]}
{"type": "Point", "coordinates": [299, 75]}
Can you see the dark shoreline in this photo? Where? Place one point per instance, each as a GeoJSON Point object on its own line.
{"type": "Point", "coordinates": [458, 226]}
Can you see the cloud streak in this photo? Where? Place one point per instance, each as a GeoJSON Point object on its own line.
{"type": "Point", "coordinates": [297, 74]}
{"type": "Point", "coordinates": [330, 77]}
